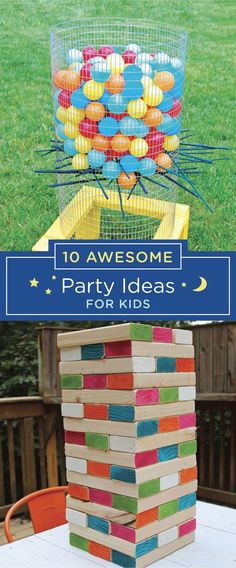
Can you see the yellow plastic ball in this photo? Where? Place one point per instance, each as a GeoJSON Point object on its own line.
{"type": "Point", "coordinates": [83, 144]}
{"type": "Point", "coordinates": [93, 90]}
{"type": "Point", "coordinates": [171, 143]}
{"type": "Point", "coordinates": [138, 147]}
{"type": "Point", "coordinates": [70, 130]}
{"type": "Point", "coordinates": [137, 109]}
{"type": "Point", "coordinates": [75, 115]}
{"type": "Point", "coordinates": [80, 162]}
{"type": "Point", "coordinates": [61, 114]}
{"type": "Point", "coordinates": [152, 95]}
{"type": "Point", "coordinates": [115, 63]}
{"type": "Point", "coordinates": [147, 81]}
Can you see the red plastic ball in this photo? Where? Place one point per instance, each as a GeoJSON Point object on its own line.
{"type": "Point", "coordinates": [110, 154]}
{"type": "Point", "coordinates": [176, 108]}
{"type": "Point", "coordinates": [129, 56]}
{"type": "Point", "coordinates": [106, 50]}
{"type": "Point", "coordinates": [88, 52]}
{"type": "Point", "coordinates": [64, 98]}
{"type": "Point", "coordinates": [85, 72]}
{"type": "Point", "coordinates": [118, 116]}
{"type": "Point", "coordinates": [155, 142]}
{"type": "Point", "coordinates": [88, 128]}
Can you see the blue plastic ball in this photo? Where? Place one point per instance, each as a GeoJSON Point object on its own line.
{"type": "Point", "coordinates": [128, 126]}
{"type": "Point", "coordinates": [96, 159]}
{"type": "Point", "coordinates": [69, 147]}
{"type": "Point", "coordinates": [147, 69]}
{"type": "Point", "coordinates": [60, 132]}
{"type": "Point", "coordinates": [166, 103]}
{"type": "Point", "coordinates": [133, 90]}
{"type": "Point", "coordinates": [108, 126]}
{"type": "Point", "coordinates": [132, 73]}
{"type": "Point", "coordinates": [117, 104]}
{"type": "Point", "coordinates": [147, 167]}
{"type": "Point", "coordinates": [56, 120]}
{"type": "Point", "coordinates": [74, 55]}
{"type": "Point", "coordinates": [100, 72]}
{"type": "Point", "coordinates": [169, 125]}
{"type": "Point", "coordinates": [111, 170]}
{"type": "Point", "coordinates": [141, 129]}
{"type": "Point", "coordinates": [129, 163]}
{"type": "Point", "coordinates": [105, 97]}
{"type": "Point", "coordinates": [78, 99]}
{"type": "Point", "coordinates": [177, 90]}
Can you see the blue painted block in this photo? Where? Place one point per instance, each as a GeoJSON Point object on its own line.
{"type": "Point", "coordinates": [168, 453]}
{"type": "Point", "coordinates": [187, 501]}
{"type": "Point", "coordinates": [98, 524]}
{"type": "Point", "coordinates": [121, 413]}
{"type": "Point", "coordinates": [166, 364]}
{"type": "Point", "coordinates": [123, 559]}
{"type": "Point", "coordinates": [95, 351]}
{"type": "Point", "coordinates": [147, 428]}
{"type": "Point", "coordinates": [123, 474]}
{"type": "Point", "coordinates": [146, 546]}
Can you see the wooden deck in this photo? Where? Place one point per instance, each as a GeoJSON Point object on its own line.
{"type": "Point", "coordinates": [20, 528]}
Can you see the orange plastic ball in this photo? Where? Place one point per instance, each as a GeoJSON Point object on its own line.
{"type": "Point", "coordinates": [127, 181]}
{"type": "Point", "coordinates": [101, 143]}
{"type": "Point", "coordinates": [164, 80]}
{"type": "Point", "coordinates": [67, 79]}
{"type": "Point", "coordinates": [163, 162]}
{"type": "Point", "coordinates": [115, 84]}
{"type": "Point", "coordinates": [153, 117]}
{"type": "Point", "coordinates": [120, 143]}
{"type": "Point", "coordinates": [95, 111]}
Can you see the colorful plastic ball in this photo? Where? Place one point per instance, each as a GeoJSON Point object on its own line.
{"type": "Point", "coordinates": [100, 72]}
{"type": "Point", "coordinates": [147, 69]}
{"type": "Point", "coordinates": [117, 104]}
{"type": "Point", "coordinates": [80, 162]}
{"type": "Point", "coordinates": [96, 59]}
{"type": "Point", "coordinates": [56, 120]}
{"type": "Point", "coordinates": [141, 129]}
{"type": "Point", "coordinates": [115, 84]}
{"type": "Point", "coordinates": [96, 159]}
{"type": "Point", "coordinates": [69, 147]}
{"type": "Point", "coordinates": [55, 97]}
{"type": "Point", "coordinates": [133, 47]}
{"type": "Point", "coordinates": [64, 98]}
{"type": "Point", "coordinates": [85, 74]}
{"type": "Point", "coordinates": [74, 55]}
{"type": "Point", "coordinates": [70, 130]}
{"type": "Point", "coordinates": [88, 52]}
{"type": "Point", "coordinates": [153, 117]}
{"type": "Point", "coordinates": [163, 162]}
{"type": "Point", "coordinates": [166, 103]}
{"type": "Point", "coordinates": [146, 81]}
{"type": "Point", "coordinates": [108, 126]}
{"type": "Point", "coordinates": [75, 115]}
{"type": "Point", "coordinates": [147, 167]}
{"type": "Point", "coordinates": [166, 124]}
{"type": "Point", "coordinates": [95, 111]}
{"type": "Point", "coordinates": [78, 99]}
{"type": "Point", "coordinates": [120, 143]}
{"type": "Point", "coordinates": [93, 90]}
{"type": "Point", "coordinates": [164, 80]}
{"type": "Point", "coordinates": [115, 63]}
{"type": "Point", "coordinates": [82, 144]}
{"type": "Point", "coordinates": [176, 108]}
{"type": "Point", "coordinates": [132, 73]}
{"type": "Point", "coordinates": [104, 98]}
{"type": "Point", "coordinates": [72, 80]}
{"type": "Point", "coordinates": [138, 147]}
{"type": "Point", "coordinates": [176, 63]}
{"type": "Point", "coordinates": [88, 128]}
{"type": "Point", "coordinates": [59, 79]}
{"type": "Point", "coordinates": [101, 143]}
{"type": "Point", "coordinates": [143, 58]}
{"type": "Point", "coordinates": [129, 56]}
{"type": "Point", "coordinates": [106, 50]}
{"type": "Point", "coordinates": [152, 96]}
{"type": "Point", "coordinates": [127, 181]}
{"type": "Point", "coordinates": [111, 170]}
{"type": "Point", "coordinates": [110, 154]}
{"type": "Point", "coordinates": [129, 163]}
{"type": "Point", "coordinates": [171, 143]}
{"type": "Point", "coordinates": [61, 114]}
{"type": "Point", "coordinates": [128, 126]}
{"type": "Point", "coordinates": [177, 90]}
{"type": "Point", "coordinates": [137, 109]}
{"type": "Point", "coordinates": [76, 66]}
{"type": "Point", "coordinates": [133, 90]}
{"type": "Point", "coordinates": [155, 142]}
{"type": "Point", "coordinates": [119, 117]}
{"type": "Point", "coordinates": [59, 132]}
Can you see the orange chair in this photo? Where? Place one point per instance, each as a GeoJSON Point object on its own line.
{"type": "Point", "coordinates": [47, 509]}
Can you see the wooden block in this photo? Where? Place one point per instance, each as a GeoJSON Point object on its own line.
{"type": "Point", "coordinates": [187, 448]}
{"type": "Point", "coordinates": [162, 334]}
{"type": "Point", "coordinates": [99, 441]}
{"type": "Point", "coordinates": [186, 501]}
{"type": "Point", "coordinates": [168, 424]}
{"type": "Point", "coordinates": [163, 410]}
{"type": "Point", "coordinates": [75, 438]}
{"type": "Point", "coordinates": [148, 488]}
{"type": "Point", "coordinates": [96, 411]}
{"type": "Point", "coordinates": [101, 497]}
{"type": "Point", "coordinates": [187, 420]}
{"type": "Point", "coordinates": [123, 474]}
{"type": "Point", "coordinates": [166, 365]}
{"type": "Point", "coordinates": [162, 351]}
{"type": "Point", "coordinates": [78, 492]}
{"type": "Point", "coordinates": [147, 428]}
{"type": "Point", "coordinates": [123, 444]}
{"type": "Point", "coordinates": [99, 550]}
{"type": "Point", "coordinates": [102, 426]}
{"type": "Point", "coordinates": [80, 519]}
{"type": "Point", "coordinates": [188, 474]}
{"type": "Point", "coordinates": [168, 453]}
{"type": "Point", "coordinates": [129, 381]}
{"type": "Point", "coordinates": [167, 536]}
{"type": "Point", "coordinates": [76, 464]}
{"type": "Point", "coordinates": [143, 459]}
{"type": "Point", "coordinates": [108, 513]}
{"type": "Point", "coordinates": [183, 336]}
{"type": "Point", "coordinates": [135, 331]}
{"type": "Point", "coordinates": [98, 524]}
{"type": "Point", "coordinates": [184, 365]}
{"type": "Point", "coordinates": [121, 413]}
{"type": "Point", "coordinates": [120, 381]}
{"type": "Point", "coordinates": [98, 469]}
{"type": "Point", "coordinates": [168, 509]}
{"type": "Point", "coordinates": [95, 381]}
{"type": "Point", "coordinates": [147, 396]}
{"type": "Point", "coordinates": [157, 470]}
{"type": "Point", "coordinates": [124, 364]}
{"type": "Point", "coordinates": [108, 485]}
{"type": "Point", "coordinates": [168, 481]}
{"type": "Point", "coordinates": [123, 559]}
{"type": "Point", "coordinates": [187, 393]}
{"type": "Point", "coordinates": [92, 352]}
{"type": "Point", "coordinates": [72, 382]}
{"type": "Point", "coordinates": [109, 457]}
{"type": "Point", "coordinates": [118, 349]}
{"type": "Point", "coordinates": [170, 394]}
{"type": "Point", "coordinates": [146, 546]}
{"type": "Point", "coordinates": [79, 542]}
{"type": "Point", "coordinates": [166, 439]}
{"type": "Point", "coordinates": [187, 527]}
{"type": "Point", "coordinates": [72, 409]}
{"type": "Point", "coordinates": [125, 503]}
{"type": "Point", "coordinates": [71, 354]}
{"type": "Point", "coordinates": [123, 532]}
{"type": "Point", "coordinates": [146, 518]}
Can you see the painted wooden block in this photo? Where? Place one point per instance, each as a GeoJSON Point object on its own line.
{"type": "Point", "coordinates": [140, 332]}
{"type": "Point", "coordinates": [75, 464]}
{"type": "Point", "coordinates": [108, 513]}
{"type": "Point", "coordinates": [80, 519]}
{"type": "Point", "coordinates": [161, 350]}
{"type": "Point", "coordinates": [189, 474]}
{"type": "Point", "coordinates": [129, 381]}
{"type": "Point", "coordinates": [167, 536]}
{"type": "Point", "coordinates": [99, 550]}
{"type": "Point", "coordinates": [95, 381]}
{"type": "Point", "coordinates": [98, 469]}
{"type": "Point", "coordinates": [101, 497]}
{"type": "Point", "coordinates": [123, 474]}
{"type": "Point", "coordinates": [134, 331]}
{"type": "Point", "coordinates": [168, 424]}
{"type": "Point", "coordinates": [142, 459]}
{"type": "Point", "coordinates": [123, 444]}
{"type": "Point", "coordinates": [91, 352]}
{"type": "Point", "coordinates": [147, 396]}
{"type": "Point", "coordinates": [162, 334]}
{"type": "Point", "coordinates": [129, 504]}
{"type": "Point", "coordinates": [169, 394]}
{"type": "Point", "coordinates": [75, 438]}
{"type": "Point", "coordinates": [187, 393]}
{"type": "Point", "coordinates": [187, 420]}
{"type": "Point", "coordinates": [187, 527]}
{"type": "Point", "coordinates": [110, 427]}
{"type": "Point", "coordinates": [168, 481]}
{"type": "Point", "coordinates": [160, 410]}
{"type": "Point", "coordinates": [187, 448]}
{"type": "Point", "coordinates": [123, 532]}
{"type": "Point", "coordinates": [149, 488]}
{"type": "Point", "coordinates": [187, 501]}
{"type": "Point", "coordinates": [146, 546]}
{"type": "Point", "coordinates": [124, 364]}
{"type": "Point", "coordinates": [79, 542]}
{"type": "Point", "coordinates": [121, 413]}
{"type": "Point", "coordinates": [96, 411]}
{"type": "Point", "coordinates": [120, 381]}
{"type": "Point", "coordinates": [74, 410]}
{"type": "Point", "coordinates": [146, 518]}
{"type": "Point", "coordinates": [98, 524]}
{"type": "Point", "coordinates": [71, 354]}
{"type": "Point", "coordinates": [185, 365]}
{"type": "Point", "coordinates": [78, 491]}
{"type": "Point", "coordinates": [99, 441]}
{"type": "Point", "coordinates": [118, 349]}
{"type": "Point", "coordinates": [71, 381]}
{"type": "Point", "coordinates": [147, 428]}
{"type": "Point", "coordinates": [167, 509]}
{"type": "Point", "coordinates": [123, 559]}
{"type": "Point", "coordinates": [166, 365]}
{"type": "Point", "coordinates": [182, 336]}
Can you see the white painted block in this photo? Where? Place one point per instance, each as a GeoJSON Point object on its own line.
{"type": "Point", "coordinates": [123, 444]}
{"type": "Point", "coordinates": [144, 364]}
{"type": "Point", "coordinates": [76, 517]}
{"type": "Point", "coordinates": [72, 410]}
{"type": "Point", "coordinates": [71, 354]}
{"type": "Point", "coordinates": [187, 393]}
{"type": "Point", "coordinates": [168, 481]}
{"type": "Point", "coordinates": [167, 536]}
{"type": "Point", "coordinates": [183, 336]}
{"type": "Point", "coordinates": [76, 464]}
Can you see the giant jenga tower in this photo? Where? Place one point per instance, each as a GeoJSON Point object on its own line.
{"type": "Point", "coordinates": [128, 405]}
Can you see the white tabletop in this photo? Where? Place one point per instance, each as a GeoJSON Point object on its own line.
{"type": "Point", "coordinates": [215, 547]}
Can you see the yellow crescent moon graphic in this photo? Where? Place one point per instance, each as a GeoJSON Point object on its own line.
{"type": "Point", "coordinates": [202, 286]}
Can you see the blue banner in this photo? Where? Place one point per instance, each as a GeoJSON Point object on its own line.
{"type": "Point", "coordinates": [111, 280]}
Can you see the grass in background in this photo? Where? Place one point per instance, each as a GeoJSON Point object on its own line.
{"type": "Point", "coordinates": [27, 205]}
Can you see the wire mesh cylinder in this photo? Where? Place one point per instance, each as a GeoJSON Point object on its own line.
{"type": "Point", "coordinates": [117, 91]}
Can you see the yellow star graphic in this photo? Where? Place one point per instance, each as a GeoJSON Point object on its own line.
{"type": "Point", "coordinates": [48, 291]}
{"type": "Point", "coordinates": [54, 277]}
{"type": "Point", "coordinates": [184, 284]}
{"type": "Point", "coordinates": [34, 283]}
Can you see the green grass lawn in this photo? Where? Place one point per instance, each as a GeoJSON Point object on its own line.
{"type": "Point", "coordinates": [28, 206]}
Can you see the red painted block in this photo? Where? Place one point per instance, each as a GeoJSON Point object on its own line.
{"type": "Point", "coordinates": [187, 420]}
{"type": "Point", "coordinates": [75, 438]}
{"type": "Point", "coordinates": [121, 531]}
{"type": "Point", "coordinates": [187, 527]}
{"type": "Point", "coordinates": [147, 396]}
{"type": "Point", "coordinates": [169, 424]}
{"type": "Point", "coordinates": [78, 491]}
{"type": "Point", "coordinates": [120, 381]}
{"type": "Point", "coordinates": [162, 334]}
{"type": "Point", "coordinates": [99, 550]}
{"type": "Point", "coordinates": [100, 497]}
{"type": "Point", "coordinates": [118, 349]}
{"type": "Point", "coordinates": [96, 411]}
{"type": "Point", "coordinates": [95, 381]}
{"type": "Point", "coordinates": [147, 517]}
{"type": "Point", "coordinates": [146, 458]}
{"type": "Point", "coordinates": [98, 469]}
{"type": "Point", "coordinates": [185, 365]}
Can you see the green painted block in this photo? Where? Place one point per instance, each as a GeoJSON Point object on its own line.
{"type": "Point", "coordinates": [71, 381]}
{"type": "Point", "coordinates": [149, 488]}
{"type": "Point", "coordinates": [129, 504]}
{"type": "Point", "coordinates": [168, 509]}
{"type": "Point", "coordinates": [99, 441]}
{"type": "Point", "coordinates": [79, 542]}
{"type": "Point", "coordinates": [140, 332]}
{"type": "Point", "coordinates": [187, 448]}
{"type": "Point", "coordinates": [169, 394]}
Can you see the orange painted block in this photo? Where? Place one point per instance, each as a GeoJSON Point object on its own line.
{"type": "Point", "coordinates": [143, 519]}
{"type": "Point", "coordinates": [78, 491]}
{"type": "Point", "coordinates": [96, 411]}
{"type": "Point", "coordinates": [168, 424]}
{"type": "Point", "coordinates": [99, 550]}
{"type": "Point", "coordinates": [187, 475]}
{"type": "Point", "coordinates": [98, 469]}
{"type": "Point", "coordinates": [120, 381]}
{"type": "Point", "coordinates": [185, 365]}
